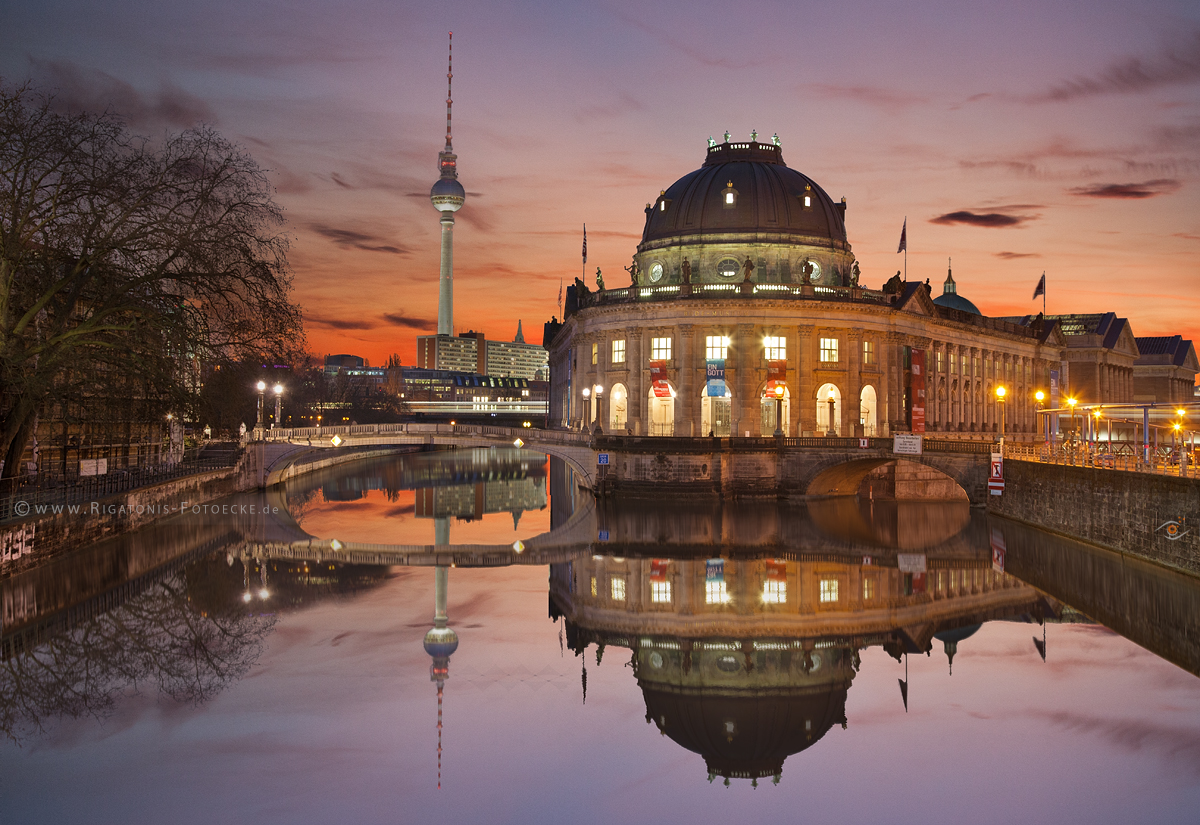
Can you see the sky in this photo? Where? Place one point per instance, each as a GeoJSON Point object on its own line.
{"type": "Point", "coordinates": [1014, 138]}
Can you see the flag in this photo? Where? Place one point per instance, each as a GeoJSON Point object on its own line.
{"type": "Point", "coordinates": [560, 296]}
{"type": "Point", "coordinates": [1041, 647]}
{"type": "Point", "coordinates": [903, 237]}
{"type": "Point", "coordinates": [904, 693]}
{"type": "Point", "coordinates": [585, 243]}
{"type": "Point", "coordinates": [1041, 287]}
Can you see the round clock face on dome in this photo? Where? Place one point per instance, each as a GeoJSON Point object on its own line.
{"type": "Point", "coordinates": [816, 271]}
{"type": "Point", "coordinates": [656, 273]}
{"type": "Point", "coordinates": [728, 268]}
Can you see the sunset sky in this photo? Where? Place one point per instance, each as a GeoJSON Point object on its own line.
{"type": "Point", "coordinates": [1015, 137]}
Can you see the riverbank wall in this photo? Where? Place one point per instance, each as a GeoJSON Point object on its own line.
{"type": "Point", "coordinates": [1152, 517]}
{"type": "Point", "coordinates": [52, 530]}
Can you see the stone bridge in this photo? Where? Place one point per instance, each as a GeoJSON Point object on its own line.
{"type": "Point", "coordinates": [728, 467]}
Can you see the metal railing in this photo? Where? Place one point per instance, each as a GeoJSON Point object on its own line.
{"type": "Point", "coordinates": [1162, 462]}
{"type": "Point", "coordinates": [33, 496]}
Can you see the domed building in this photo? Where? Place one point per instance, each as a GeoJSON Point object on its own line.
{"type": "Point", "coordinates": [746, 301]}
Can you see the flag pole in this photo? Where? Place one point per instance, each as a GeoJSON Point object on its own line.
{"type": "Point", "coordinates": [1043, 294]}
{"type": "Point", "coordinates": [905, 281]}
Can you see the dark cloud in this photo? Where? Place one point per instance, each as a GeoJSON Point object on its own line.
{"type": "Point", "coordinates": [401, 510]}
{"type": "Point", "coordinates": [990, 220]}
{"type": "Point", "coordinates": [337, 323]}
{"type": "Point", "coordinates": [350, 239]}
{"type": "Point", "coordinates": [398, 320]}
{"type": "Point", "coordinates": [1171, 66]}
{"type": "Point", "coordinates": [339, 180]}
{"type": "Point", "coordinates": [1180, 745]}
{"type": "Point", "coordinates": [1012, 256]}
{"type": "Point", "coordinates": [1132, 191]}
{"type": "Point", "coordinates": [687, 45]}
{"type": "Point", "coordinates": [77, 89]}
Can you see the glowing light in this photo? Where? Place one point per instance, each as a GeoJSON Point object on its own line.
{"type": "Point", "coordinates": [1181, 412]}
{"type": "Point", "coordinates": [264, 594]}
{"type": "Point", "coordinates": [278, 389]}
{"type": "Point", "coordinates": [1039, 395]}
{"type": "Point", "coordinates": [335, 545]}
{"type": "Point", "coordinates": [779, 390]}
{"type": "Point", "coordinates": [1071, 402]}
{"type": "Point", "coordinates": [728, 197]}
{"type": "Point", "coordinates": [518, 546]}
{"type": "Point", "coordinates": [831, 396]}
{"type": "Point", "coordinates": [246, 596]}
{"type": "Point", "coordinates": [1000, 391]}
{"type": "Point", "coordinates": [518, 443]}
{"type": "Point", "coordinates": [587, 392]}
{"type": "Point", "coordinates": [336, 441]}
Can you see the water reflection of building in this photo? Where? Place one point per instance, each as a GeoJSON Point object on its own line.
{"type": "Point", "coordinates": [749, 661]}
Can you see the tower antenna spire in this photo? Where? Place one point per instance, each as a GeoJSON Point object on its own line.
{"type": "Point", "coordinates": [449, 87]}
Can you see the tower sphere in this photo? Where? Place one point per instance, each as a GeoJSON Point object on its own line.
{"type": "Point", "coordinates": [441, 642]}
{"type": "Point", "coordinates": [447, 195]}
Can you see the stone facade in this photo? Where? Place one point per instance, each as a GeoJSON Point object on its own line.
{"type": "Point", "coordinates": [856, 342]}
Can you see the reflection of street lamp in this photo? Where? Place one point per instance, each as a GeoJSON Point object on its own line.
{"type": "Point", "coordinates": [1000, 393]}
{"type": "Point", "coordinates": [831, 430]}
{"type": "Point", "coordinates": [278, 399]}
{"type": "Point", "coordinates": [779, 410]}
{"type": "Point", "coordinates": [261, 386]}
{"type": "Point", "coordinates": [1096, 430]}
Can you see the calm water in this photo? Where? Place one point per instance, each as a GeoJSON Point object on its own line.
{"type": "Point", "coordinates": [649, 663]}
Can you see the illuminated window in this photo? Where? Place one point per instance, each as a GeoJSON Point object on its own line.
{"type": "Point", "coordinates": [868, 352]}
{"type": "Point", "coordinates": [728, 268]}
{"type": "Point", "coordinates": [618, 589]}
{"type": "Point", "coordinates": [775, 347]}
{"type": "Point", "coordinates": [660, 349]}
{"type": "Point", "coordinates": [975, 367]}
{"type": "Point", "coordinates": [716, 347]}
{"type": "Point", "coordinates": [941, 361]}
{"type": "Point", "coordinates": [829, 590]}
{"type": "Point", "coordinates": [660, 592]}
{"type": "Point", "coordinates": [868, 588]}
{"type": "Point", "coordinates": [618, 351]}
{"type": "Point", "coordinates": [595, 353]}
{"type": "Point", "coordinates": [963, 361]}
{"type": "Point", "coordinates": [593, 586]}
{"type": "Point", "coordinates": [829, 350]}
{"type": "Point", "coordinates": [953, 365]}
{"type": "Point", "coordinates": [729, 196]}
{"type": "Point", "coordinates": [775, 591]}
{"type": "Point", "coordinates": [715, 592]}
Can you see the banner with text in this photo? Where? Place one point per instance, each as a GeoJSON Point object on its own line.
{"type": "Point", "coordinates": [658, 379]}
{"type": "Point", "coordinates": [714, 371]}
{"type": "Point", "coordinates": [918, 390]}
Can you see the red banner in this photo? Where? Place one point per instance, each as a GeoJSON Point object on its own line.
{"type": "Point", "coordinates": [658, 379]}
{"type": "Point", "coordinates": [658, 569]}
{"type": "Point", "coordinates": [917, 388]}
{"type": "Point", "coordinates": [776, 376]}
{"type": "Point", "coordinates": [776, 570]}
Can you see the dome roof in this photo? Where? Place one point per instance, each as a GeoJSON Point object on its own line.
{"type": "Point", "coordinates": [955, 301]}
{"type": "Point", "coordinates": [767, 197]}
{"type": "Point", "coordinates": [951, 299]}
{"type": "Point", "coordinates": [747, 736]}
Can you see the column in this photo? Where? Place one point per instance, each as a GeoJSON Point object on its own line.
{"type": "Point", "coordinates": [687, 401]}
{"type": "Point", "coordinates": [851, 401]}
{"type": "Point", "coordinates": [638, 370]}
{"type": "Point", "coordinates": [749, 354]}
{"type": "Point", "coordinates": [804, 395]}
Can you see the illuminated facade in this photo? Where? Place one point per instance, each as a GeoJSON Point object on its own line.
{"type": "Point", "coordinates": [747, 302]}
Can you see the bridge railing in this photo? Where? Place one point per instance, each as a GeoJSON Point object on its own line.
{"type": "Point", "coordinates": [1162, 462]}
{"type": "Point", "coordinates": [282, 434]}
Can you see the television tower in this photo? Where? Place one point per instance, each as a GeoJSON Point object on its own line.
{"type": "Point", "coordinates": [447, 196]}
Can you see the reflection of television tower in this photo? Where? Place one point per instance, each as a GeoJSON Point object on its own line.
{"type": "Point", "coordinates": [448, 197]}
{"type": "Point", "coordinates": [440, 643]}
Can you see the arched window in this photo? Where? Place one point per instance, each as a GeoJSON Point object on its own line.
{"type": "Point", "coordinates": [618, 409]}
{"type": "Point", "coordinates": [661, 412]}
{"type": "Point", "coordinates": [716, 414]}
{"type": "Point", "coordinates": [770, 401]}
{"type": "Point", "coordinates": [829, 399]}
{"type": "Point", "coordinates": [868, 411]}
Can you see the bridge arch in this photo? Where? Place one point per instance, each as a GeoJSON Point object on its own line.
{"type": "Point", "coordinates": [901, 479]}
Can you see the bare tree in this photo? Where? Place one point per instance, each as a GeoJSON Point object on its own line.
{"type": "Point", "coordinates": [128, 261]}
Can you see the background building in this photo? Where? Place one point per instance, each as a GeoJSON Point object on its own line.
{"type": "Point", "coordinates": [472, 352]}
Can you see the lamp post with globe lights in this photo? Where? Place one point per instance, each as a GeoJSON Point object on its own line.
{"type": "Point", "coordinates": [832, 431]}
{"type": "Point", "coordinates": [278, 388]}
{"type": "Point", "coordinates": [1001, 392]}
{"type": "Point", "coordinates": [587, 406]}
{"type": "Point", "coordinates": [1041, 400]}
{"type": "Point", "coordinates": [779, 410]}
{"type": "Point", "coordinates": [261, 386]}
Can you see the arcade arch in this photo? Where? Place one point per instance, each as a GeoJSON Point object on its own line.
{"type": "Point", "coordinates": [767, 409]}
{"type": "Point", "coordinates": [661, 411]}
{"type": "Point", "coordinates": [716, 414]}
{"type": "Point", "coordinates": [618, 409]}
{"type": "Point", "coordinates": [828, 395]}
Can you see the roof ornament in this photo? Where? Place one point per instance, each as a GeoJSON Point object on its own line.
{"type": "Point", "coordinates": [711, 142]}
{"type": "Point", "coordinates": [775, 139]}
{"type": "Point", "coordinates": [754, 136]}
{"type": "Point", "coordinates": [726, 135]}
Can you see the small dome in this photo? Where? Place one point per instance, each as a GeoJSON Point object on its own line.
{"type": "Point", "coordinates": [951, 299]}
{"type": "Point", "coordinates": [447, 195]}
{"type": "Point", "coordinates": [441, 642]}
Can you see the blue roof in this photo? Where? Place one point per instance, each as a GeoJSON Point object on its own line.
{"type": "Point", "coordinates": [952, 300]}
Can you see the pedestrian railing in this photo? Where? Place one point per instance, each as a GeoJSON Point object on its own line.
{"type": "Point", "coordinates": [1160, 463]}
{"type": "Point", "coordinates": [33, 496]}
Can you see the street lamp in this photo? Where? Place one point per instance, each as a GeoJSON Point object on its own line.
{"type": "Point", "coordinates": [1041, 399]}
{"type": "Point", "coordinates": [779, 410]}
{"type": "Point", "coordinates": [598, 391]}
{"type": "Point", "coordinates": [587, 400]}
{"type": "Point", "coordinates": [831, 430]}
{"type": "Point", "coordinates": [1096, 431]}
{"type": "Point", "coordinates": [261, 386]}
{"type": "Point", "coordinates": [1071, 402]}
{"type": "Point", "coordinates": [278, 399]}
{"type": "Point", "coordinates": [1000, 393]}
